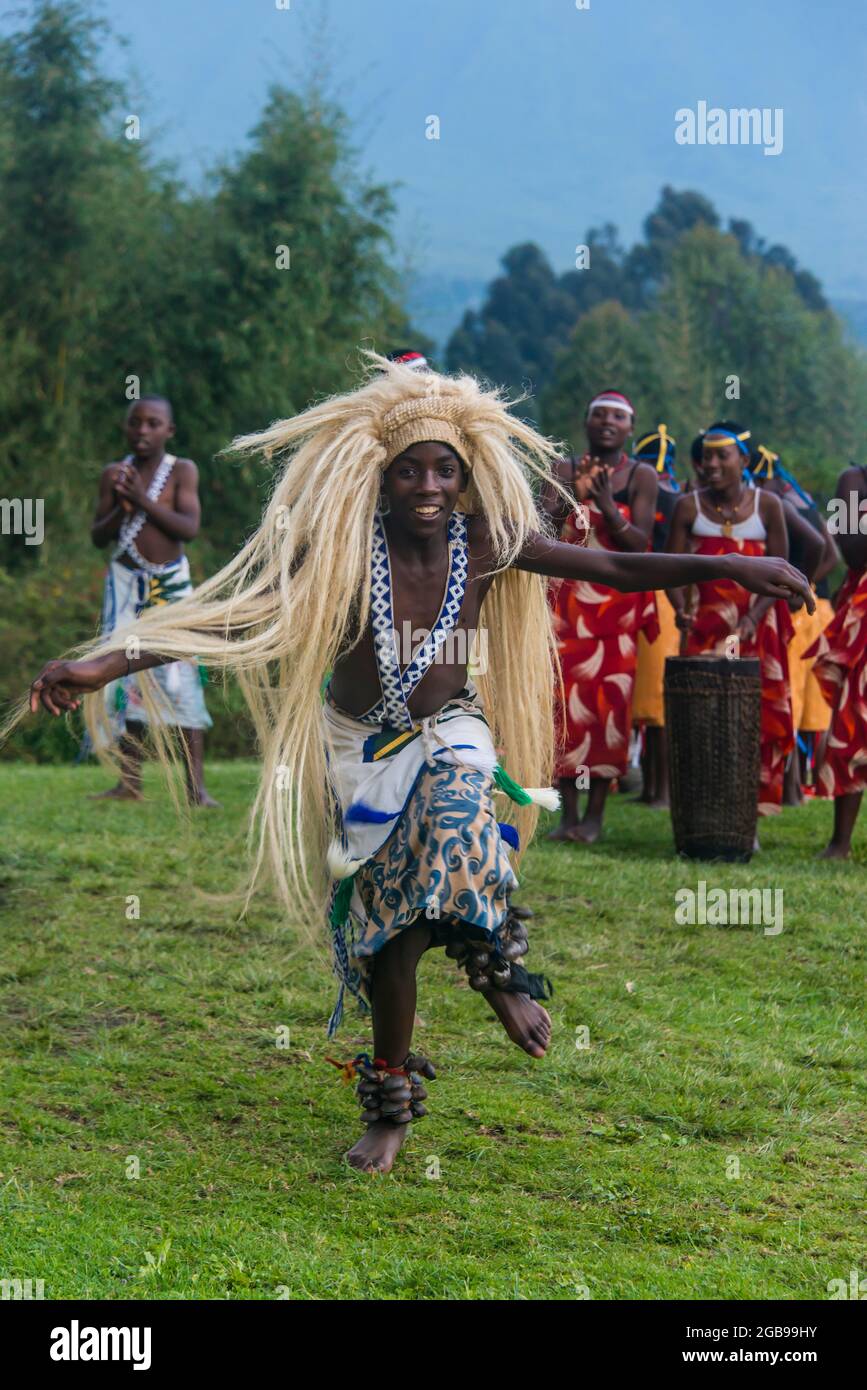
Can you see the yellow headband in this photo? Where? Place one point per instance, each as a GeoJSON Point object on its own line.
{"type": "Point", "coordinates": [724, 442]}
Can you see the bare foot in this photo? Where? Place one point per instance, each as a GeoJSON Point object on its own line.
{"type": "Point", "coordinates": [377, 1148]}
{"type": "Point", "coordinates": [835, 851]}
{"type": "Point", "coordinates": [563, 831]}
{"type": "Point", "coordinates": [589, 830]}
{"type": "Point", "coordinates": [204, 798]}
{"type": "Point", "coordinates": [118, 793]}
{"type": "Point", "coordinates": [525, 1021]}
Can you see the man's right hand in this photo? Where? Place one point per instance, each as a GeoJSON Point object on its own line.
{"type": "Point", "coordinates": [60, 685]}
{"type": "Point", "coordinates": [772, 577]}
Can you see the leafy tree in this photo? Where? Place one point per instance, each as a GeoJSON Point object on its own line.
{"type": "Point", "coordinates": [607, 349]}
{"type": "Point", "coordinates": [110, 269]}
{"type": "Point", "coordinates": [722, 322]}
{"type": "Point", "coordinates": [515, 337]}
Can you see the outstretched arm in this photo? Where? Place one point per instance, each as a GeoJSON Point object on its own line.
{"type": "Point", "coordinates": [630, 572]}
{"type": "Point", "coordinates": [60, 685]}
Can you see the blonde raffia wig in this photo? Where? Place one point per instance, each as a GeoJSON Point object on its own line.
{"type": "Point", "coordinates": [282, 611]}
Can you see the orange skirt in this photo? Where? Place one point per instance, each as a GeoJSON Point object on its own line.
{"type": "Point", "coordinates": [648, 705]}
{"type": "Point", "coordinates": [807, 628]}
{"type": "Point", "coordinates": [816, 712]}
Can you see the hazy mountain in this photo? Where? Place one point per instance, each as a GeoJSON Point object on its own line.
{"type": "Point", "coordinates": [437, 303]}
{"type": "Point", "coordinates": [854, 313]}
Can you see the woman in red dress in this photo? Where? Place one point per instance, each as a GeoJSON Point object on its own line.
{"type": "Point", "coordinates": [725, 516]}
{"type": "Point", "coordinates": [597, 627]}
{"type": "Point", "coordinates": [841, 667]}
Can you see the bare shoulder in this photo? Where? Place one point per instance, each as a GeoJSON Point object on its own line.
{"type": "Point", "coordinates": [685, 507]}
{"type": "Point", "coordinates": [186, 469]}
{"type": "Point", "coordinates": [645, 474]}
{"type": "Point", "coordinates": [477, 527]}
{"type": "Point", "coordinates": [770, 505]}
{"type": "Point", "coordinates": [643, 480]}
{"type": "Point", "coordinates": [481, 550]}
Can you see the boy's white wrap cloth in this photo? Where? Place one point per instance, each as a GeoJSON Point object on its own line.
{"type": "Point", "coordinates": [373, 776]}
{"type": "Point", "coordinates": [178, 686]}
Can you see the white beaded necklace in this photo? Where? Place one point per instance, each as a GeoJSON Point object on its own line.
{"type": "Point", "coordinates": [133, 524]}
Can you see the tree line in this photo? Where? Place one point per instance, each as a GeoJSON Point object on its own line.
{"type": "Point", "coordinates": [695, 322]}
{"type": "Point", "coordinates": [242, 301]}
{"type": "Point", "coordinates": [248, 297]}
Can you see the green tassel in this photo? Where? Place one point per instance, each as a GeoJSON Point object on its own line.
{"type": "Point", "coordinates": [203, 674]}
{"type": "Point", "coordinates": [342, 898]}
{"type": "Point", "coordinates": [508, 785]}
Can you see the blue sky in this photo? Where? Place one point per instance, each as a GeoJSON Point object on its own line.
{"type": "Point", "coordinates": [552, 118]}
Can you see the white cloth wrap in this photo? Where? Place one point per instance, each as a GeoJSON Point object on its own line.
{"type": "Point", "coordinates": [452, 735]}
{"type": "Point", "coordinates": [178, 688]}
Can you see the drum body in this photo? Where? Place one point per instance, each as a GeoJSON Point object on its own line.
{"type": "Point", "coordinates": [712, 724]}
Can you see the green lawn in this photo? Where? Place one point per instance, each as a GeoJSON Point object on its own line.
{"type": "Point", "coordinates": [603, 1169]}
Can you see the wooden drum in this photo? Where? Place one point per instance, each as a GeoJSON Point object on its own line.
{"type": "Point", "coordinates": [712, 724]}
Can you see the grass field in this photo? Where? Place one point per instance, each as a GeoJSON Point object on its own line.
{"type": "Point", "coordinates": [149, 1045]}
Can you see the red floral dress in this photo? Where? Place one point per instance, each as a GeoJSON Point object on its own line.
{"type": "Point", "coordinates": [597, 642]}
{"type": "Point", "coordinates": [841, 670]}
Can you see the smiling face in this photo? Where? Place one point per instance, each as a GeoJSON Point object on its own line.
{"type": "Point", "coordinates": [149, 427]}
{"type": "Point", "coordinates": [422, 486]}
{"type": "Point", "coordinates": [608, 428]}
{"type": "Point", "coordinates": [722, 466]}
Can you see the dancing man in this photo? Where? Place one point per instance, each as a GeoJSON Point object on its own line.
{"type": "Point", "coordinates": [596, 626]}
{"type": "Point", "coordinates": [403, 506]}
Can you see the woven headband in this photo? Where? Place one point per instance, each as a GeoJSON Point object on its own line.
{"type": "Point", "coordinates": [424, 419]}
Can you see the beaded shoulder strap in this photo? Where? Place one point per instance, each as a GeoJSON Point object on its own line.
{"type": "Point", "coordinates": [131, 527]}
{"type": "Point", "coordinates": [397, 685]}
